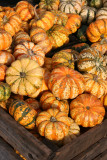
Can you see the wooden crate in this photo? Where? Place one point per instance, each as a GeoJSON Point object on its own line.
{"type": "Point", "coordinates": [89, 144]}
{"type": "Point", "coordinates": [92, 144]}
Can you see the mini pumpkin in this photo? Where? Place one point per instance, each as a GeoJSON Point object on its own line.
{"type": "Point", "coordinates": [24, 77]}
{"type": "Point", "coordinates": [40, 37]}
{"type": "Point", "coordinates": [95, 85]}
{"type": "Point", "coordinates": [34, 104]}
{"type": "Point", "coordinates": [29, 50]}
{"type": "Point", "coordinates": [88, 14]}
{"type": "Point", "coordinates": [48, 100]}
{"type": "Point", "coordinates": [49, 5]}
{"type": "Point", "coordinates": [63, 58]}
{"type": "Point", "coordinates": [5, 91]}
{"type": "Point", "coordinates": [48, 63]}
{"type": "Point", "coordinates": [73, 23]}
{"type": "Point", "coordinates": [100, 46]}
{"type": "Point", "coordinates": [2, 72]}
{"type": "Point", "coordinates": [70, 6]}
{"type": "Point", "coordinates": [10, 21]}
{"type": "Point", "coordinates": [5, 39]}
{"type": "Point", "coordinates": [102, 13]}
{"type": "Point", "coordinates": [79, 46]}
{"type": "Point", "coordinates": [53, 124]}
{"type": "Point", "coordinates": [92, 61]}
{"type": "Point", "coordinates": [45, 20]}
{"type": "Point", "coordinates": [25, 26]}
{"type": "Point", "coordinates": [58, 36]}
{"type": "Point", "coordinates": [25, 10]}
{"type": "Point", "coordinates": [66, 83]}
{"type": "Point", "coordinates": [97, 30]}
{"type": "Point", "coordinates": [6, 57]}
{"type": "Point", "coordinates": [87, 110]}
{"type": "Point", "coordinates": [20, 37]}
{"type": "Point", "coordinates": [81, 33]}
{"type": "Point", "coordinates": [23, 113]}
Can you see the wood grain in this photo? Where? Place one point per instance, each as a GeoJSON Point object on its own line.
{"type": "Point", "coordinates": [102, 156]}
{"type": "Point", "coordinates": [81, 143]}
{"type": "Point", "coordinates": [21, 139]}
{"type": "Point", "coordinates": [93, 151]}
{"type": "Point", "coordinates": [7, 152]}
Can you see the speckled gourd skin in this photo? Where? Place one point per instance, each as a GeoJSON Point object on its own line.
{"type": "Point", "coordinates": [49, 4]}
{"type": "Point", "coordinates": [5, 91]}
{"type": "Point", "coordinates": [48, 100]}
{"type": "Point", "coordinates": [95, 85]}
{"type": "Point", "coordinates": [66, 83]}
{"type": "Point", "coordinates": [24, 77]}
{"type": "Point", "coordinates": [92, 61]}
{"type": "Point", "coordinates": [102, 13]}
{"type": "Point", "coordinates": [87, 110]}
{"type": "Point", "coordinates": [23, 113]}
{"type": "Point", "coordinates": [53, 124]}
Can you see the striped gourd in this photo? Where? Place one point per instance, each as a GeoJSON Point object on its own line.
{"type": "Point", "coordinates": [88, 14]}
{"type": "Point", "coordinates": [96, 3]}
{"type": "Point", "coordinates": [6, 57]}
{"type": "Point", "coordinates": [5, 91]}
{"type": "Point", "coordinates": [70, 6]}
{"type": "Point", "coordinates": [92, 61]}
{"type": "Point", "coordinates": [79, 46]}
{"type": "Point", "coordinates": [102, 13]}
{"type": "Point", "coordinates": [23, 113]}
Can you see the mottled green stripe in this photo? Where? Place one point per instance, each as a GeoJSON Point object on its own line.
{"type": "Point", "coordinates": [25, 112]}
{"type": "Point", "coordinates": [17, 105]}
{"type": "Point", "coordinates": [33, 121]}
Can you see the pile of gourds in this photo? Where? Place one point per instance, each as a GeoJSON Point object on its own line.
{"type": "Point", "coordinates": [52, 96]}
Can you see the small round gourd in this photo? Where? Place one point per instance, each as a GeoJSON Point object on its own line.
{"type": "Point", "coordinates": [5, 91]}
{"type": "Point", "coordinates": [101, 13]}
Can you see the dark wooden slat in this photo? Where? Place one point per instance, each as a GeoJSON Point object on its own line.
{"type": "Point", "coordinates": [7, 152]}
{"type": "Point", "coordinates": [81, 143]}
{"type": "Point", "coordinates": [93, 151]}
{"type": "Point", "coordinates": [102, 156]}
{"type": "Point", "coordinates": [21, 139]}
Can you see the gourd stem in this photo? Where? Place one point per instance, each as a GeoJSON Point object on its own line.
{"type": "Point", "coordinates": [36, 15]}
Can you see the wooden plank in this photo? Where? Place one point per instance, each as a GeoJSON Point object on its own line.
{"type": "Point", "coordinates": [81, 143]}
{"type": "Point", "coordinates": [7, 152]}
{"type": "Point", "coordinates": [93, 150]}
{"type": "Point", "coordinates": [21, 139]}
{"type": "Point", "coordinates": [102, 156]}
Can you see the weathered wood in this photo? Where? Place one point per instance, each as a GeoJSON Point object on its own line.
{"type": "Point", "coordinates": [102, 156]}
{"type": "Point", "coordinates": [81, 143]}
{"type": "Point", "coordinates": [21, 139]}
{"type": "Point", "coordinates": [7, 152]}
{"type": "Point", "coordinates": [93, 151]}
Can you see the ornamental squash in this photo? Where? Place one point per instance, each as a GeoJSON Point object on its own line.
{"type": "Point", "coordinates": [5, 91]}
{"type": "Point", "coordinates": [73, 23]}
{"type": "Point", "coordinates": [64, 58]}
{"type": "Point", "coordinates": [81, 33]}
{"type": "Point", "coordinates": [23, 113]}
{"type": "Point", "coordinates": [49, 4]}
{"type": "Point", "coordinates": [100, 46]}
{"type": "Point", "coordinates": [92, 61]}
{"type": "Point", "coordinates": [66, 83]}
{"type": "Point", "coordinates": [20, 37]}
{"type": "Point", "coordinates": [87, 110]}
{"type": "Point", "coordinates": [97, 30]}
{"type": "Point", "coordinates": [104, 100]}
{"type": "Point", "coordinates": [70, 6]}
{"type": "Point", "coordinates": [25, 10]}
{"type": "Point", "coordinates": [2, 72]}
{"type": "Point", "coordinates": [34, 104]}
{"type": "Point", "coordinates": [88, 14]}
{"type": "Point", "coordinates": [79, 46]}
{"type": "Point", "coordinates": [10, 21]}
{"type": "Point", "coordinates": [95, 85]}
{"type": "Point", "coordinates": [102, 13]}
{"type": "Point", "coordinates": [58, 36]}
{"type": "Point", "coordinates": [45, 20]}
{"type": "Point", "coordinates": [6, 57]}
{"type": "Point", "coordinates": [24, 77]}
{"type": "Point", "coordinates": [48, 63]}
{"type": "Point", "coordinates": [5, 39]}
{"type": "Point", "coordinates": [48, 100]}
{"type": "Point", "coordinates": [53, 124]}
{"type": "Point", "coordinates": [39, 36]}
{"type": "Point", "coordinates": [30, 50]}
